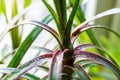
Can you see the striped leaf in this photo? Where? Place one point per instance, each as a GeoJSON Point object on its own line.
{"type": "Point", "coordinates": [99, 59]}
{"type": "Point", "coordinates": [27, 66]}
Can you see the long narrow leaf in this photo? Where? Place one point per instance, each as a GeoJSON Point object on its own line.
{"type": "Point", "coordinates": [43, 26]}
{"type": "Point", "coordinates": [81, 73]}
{"type": "Point", "coordinates": [2, 7]}
{"type": "Point", "coordinates": [26, 44]}
{"type": "Point", "coordinates": [84, 46]}
{"type": "Point", "coordinates": [60, 6]}
{"type": "Point", "coordinates": [15, 36]}
{"type": "Point", "coordinates": [39, 24]}
{"type": "Point", "coordinates": [59, 25]}
{"type": "Point", "coordinates": [69, 24]}
{"type": "Point", "coordinates": [41, 49]}
{"type": "Point", "coordinates": [56, 66]}
{"type": "Point", "coordinates": [27, 66]}
{"type": "Point", "coordinates": [98, 59]}
{"type": "Point", "coordinates": [26, 75]}
{"type": "Point", "coordinates": [15, 19]}
{"type": "Point", "coordinates": [106, 13]}
{"type": "Point", "coordinates": [84, 28]}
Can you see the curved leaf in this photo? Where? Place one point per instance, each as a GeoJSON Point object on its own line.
{"type": "Point", "coordinates": [16, 19]}
{"type": "Point", "coordinates": [84, 46]}
{"type": "Point", "coordinates": [41, 49]}
{"type": "Point", "coordinates": [106, 13]}
{"type": "Point", "coordinates": [81, 73]}
{"type": "Point", "coordinates": [27, 66]}
{"type": "Point", "coordinates": [26, 44]}
{"type": "Point", "coordinates": [60, 6]}
{"type": "Point", "coordinates": [56, 66]}
{"type": "Point", "coordinates": [59, 25]}
{"type": "Point", "coordinates": [39, 24]}
{"type": "Point", "coordinates": [69, 25]}
{"type": "Point", "coordinates": [43, 26]}
{"type": "Point", "coordinates": [99, 59]}
{"type": "Point", "coordinates": [86, 27]}
{"type": "Point", "coordinates": [26, 75]}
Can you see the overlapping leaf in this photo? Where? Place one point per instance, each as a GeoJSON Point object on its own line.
{"type": "Point", "coordinates": [56, 66]}
{"type": "Point", "coordinates": [98, 59]}
{"type": "Point", "coordinates": [26, 44]}
{"type": "Point", "coordinates": [26, 75]}
{"type": "Point", "coordinates": [81, 73]}
{"type": "Point", "coordinates": [27, 66]}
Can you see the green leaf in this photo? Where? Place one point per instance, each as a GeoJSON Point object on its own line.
{"type": "Point", "coordinates": [27, 3]}
{"type": "Point", "coordinates": [89, 32]}
{"type": "Point", "coordinates": [69, 24]}
{"type": "Point", "coordinates": [15, 19]}
{"type": "Point", "coordinates": [2, 7]}
{"type": "Point", "coordinates": [84, 28]}
{"type": "Point", "coordinates": [55, 17]}
{"type": "Point", "coordinates": [43, 26]}
{"type": "Point", "coordinates": [27, 66]}
{"type": "Point", "coordinates": [15, 35]}
{"type": "Point", "coordinates": [99, 59]}
{"type": "Point", "coordinates": [43, 67]}
{"type": "Point", "coordinates": [60, 6]}
{"type": "Point", "coordinates": [26, 44]}
{"type": "Point", "coordinates": [26, 75]}
{"type": "Point", "coordinates": [81, 73]}
{"type": "Point", "coordinates": [56, 66]}
{"type": "Point", "coordinates": [103, 14]}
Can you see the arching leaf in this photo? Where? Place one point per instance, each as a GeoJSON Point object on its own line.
{"type": "Point", "coordinates": [27, 66]}
{"type": "Point", "coordinates": [106, 13]}
{"type": "Point", "coordinates": [56, 66]}
{"type": "Point", "coordinates": [81, 73]}
{"type": "Point", "coordinates": [41, 49]}
{"type": "Point", "coordinates": [99, 59]}
{"type": "Point", "coordinates": [55, 17]}
{"type": "Point", "coordinates": [86, 27]}
{"type": "Point", "coordinates": [26, 44]}
{"type": "Point", "coordinates": [26, 75]}
{"type": "Point", "coordinates": [16, 18]}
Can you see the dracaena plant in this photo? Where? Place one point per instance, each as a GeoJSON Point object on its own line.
{"type": "Point", "coordinates": [66, 61]}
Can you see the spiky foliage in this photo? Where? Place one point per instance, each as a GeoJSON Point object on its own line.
{"type": "Point", "coordinates": [66, 61]}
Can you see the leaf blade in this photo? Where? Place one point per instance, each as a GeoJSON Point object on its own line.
{"type": "Point", "coordinates": [15, 19]}
{"type": "Point", "coordinates": [26, 75]}
{"type": "Point", "coordinates": [99, 59]}
{"type": "Point", "coordinates": [26, 44]}
{"type": "Point", "coordinates": [56, 66]}
{"type": "Point", "coordinates": [81, 73]}
{"type": "Point", "coordinates": [27, 66]}
{"type": "Point", "coordinates": [59, 26]}
{"type": "Point", "coordinates": [69, 24]}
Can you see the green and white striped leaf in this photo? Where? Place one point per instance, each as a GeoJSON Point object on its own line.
{"type": "Point", "coordinates": [26, 44]}
{"type": "Point", "coordinates": [26, 75]}
{"type": "Point", "coordinates": [27, 66]}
